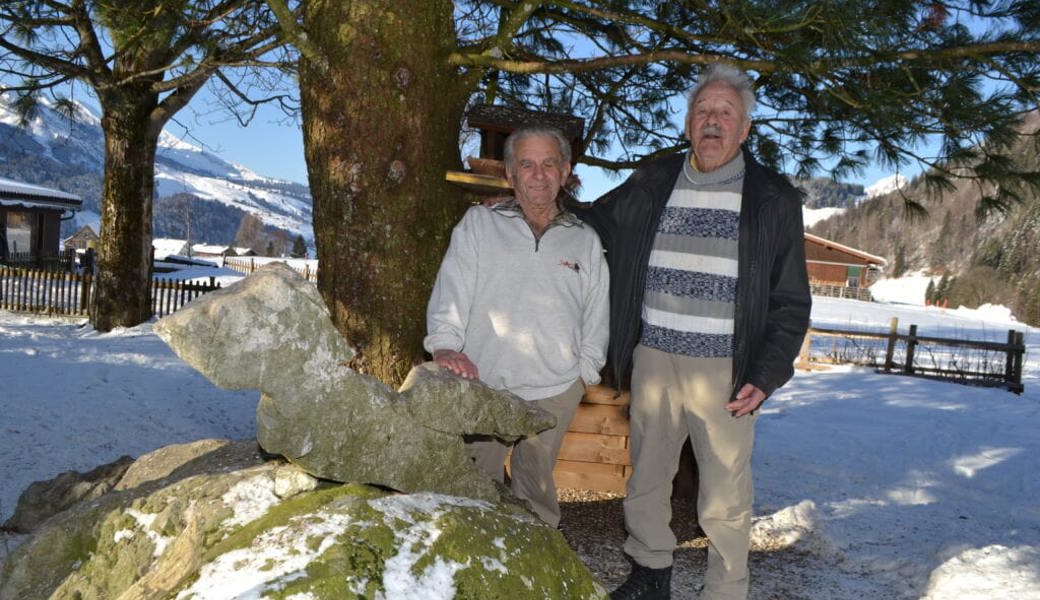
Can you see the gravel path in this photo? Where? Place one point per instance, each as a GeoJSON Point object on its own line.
{"type": "Point", "coordinates": [593, 524]}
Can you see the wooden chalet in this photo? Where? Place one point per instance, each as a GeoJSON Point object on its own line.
{"type": "Point", "coordinates": [834, 264]}
{"type": "Point", "coordinates": [85, 237]}
{"type": "Point", "coordinates": [30, 222]}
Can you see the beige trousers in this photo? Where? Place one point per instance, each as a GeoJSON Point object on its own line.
{"type": "Point", "coordinates": [531, 464]}
{"type": "Point", "coordinates": [675, 396]}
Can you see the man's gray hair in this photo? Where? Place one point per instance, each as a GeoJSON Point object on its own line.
{"type": "Point", "coordinates": [536, 131]}
{"type": "Point", "coordinates": [730, 75]}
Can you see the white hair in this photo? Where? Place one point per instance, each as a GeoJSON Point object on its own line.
{"type": "Point", "coordinates": [729, 75]}
{"type": "Point", "coordinates": [552, 133]}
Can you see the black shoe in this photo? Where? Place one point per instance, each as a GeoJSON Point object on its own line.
{"type": "Point", "coordinates": [644, 583]}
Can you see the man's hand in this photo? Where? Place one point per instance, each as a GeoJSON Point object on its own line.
{"type": "Point", "coordinates": [748, 399]}
{"type": "Point", "coordinates": [457, 362]}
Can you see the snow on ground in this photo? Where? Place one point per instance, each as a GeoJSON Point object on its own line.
{"type": "Point", "coordinates": [897, 487]}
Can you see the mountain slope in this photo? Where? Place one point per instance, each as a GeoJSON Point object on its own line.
{"type": "Point", "coordinates": [994, 259]}
{"type": "Point", "coordinates": [67, 154]}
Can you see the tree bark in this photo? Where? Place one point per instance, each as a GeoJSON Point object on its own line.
{"type": "Point", "coordinates": [381, 115]}
{"type": "Point", "coordinates": [123, 292]}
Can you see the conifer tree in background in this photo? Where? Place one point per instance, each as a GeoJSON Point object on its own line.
{"type": "Point", "coordinates": [144, 60]}
{"type": "Point", "coordinates": [299, 247]}
{"type": "Point", "coordinates": [384, 87]}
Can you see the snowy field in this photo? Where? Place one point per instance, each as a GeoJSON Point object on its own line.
{"type": "Point", "coordinates": [893, 487]}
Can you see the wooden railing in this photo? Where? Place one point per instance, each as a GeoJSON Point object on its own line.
{"type": "Point", "coordinates": [40, 291]}
{"type": "Point", "coordinates": [971, 362]}
{"type": "Point", "coordinates": [63, 261]}
{"type": "Point", "coordinates": [840, 291]}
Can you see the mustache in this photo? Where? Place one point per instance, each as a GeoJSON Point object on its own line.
{"type": "Point", "coordinates": [712, 130]}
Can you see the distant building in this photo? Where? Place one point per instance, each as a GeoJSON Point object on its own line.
{"type": "Point", "coordinates": [85, 237]}
{"type": "Point", "coordinates": [169, 247]}
{"type": "Point", "coordinates": [211, 250]}
{"type": "Point", "coordinates": [30, 221]}
{"type": "Point", "coordinates": [831, 263]}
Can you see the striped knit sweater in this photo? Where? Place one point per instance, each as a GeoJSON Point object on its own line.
{"type": "Point", "coordinates": [691, 283]}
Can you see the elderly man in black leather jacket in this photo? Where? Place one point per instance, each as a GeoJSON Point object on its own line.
{"type": "Point", "coordinates": [709, 305]}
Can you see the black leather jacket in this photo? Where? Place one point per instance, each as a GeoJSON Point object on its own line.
{"type": "Point", "coordinates": [773, 300]}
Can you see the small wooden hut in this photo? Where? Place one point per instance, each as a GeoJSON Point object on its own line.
{"type": "Point", "coordinates": [30, 222]}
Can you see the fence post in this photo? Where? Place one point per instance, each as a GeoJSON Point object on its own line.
{"type": "Point", "coordinates": [890, 351]}
{"type": "Point", "coordinates": [1013, 373]}
{"type": "Point", "coordinates": [911, 343]}
{"type": "Point", "coordinates": [803, 352]}
{"type": "Point", "coordinates": [1020, 350]}
{"type": "Point", "coordinates": [84, 293]}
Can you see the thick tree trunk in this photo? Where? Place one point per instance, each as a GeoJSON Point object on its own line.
{"type": "Point", "coordinates": [124, 259]}
{"type": "Point", "coordinates": [381, 123]}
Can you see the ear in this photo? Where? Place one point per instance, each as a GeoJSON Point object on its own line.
{"type": "Point", "coordinates": [747, 129]}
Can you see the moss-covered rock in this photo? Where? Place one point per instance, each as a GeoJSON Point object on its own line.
{"type": "Point", "coordinates": [241, 534]}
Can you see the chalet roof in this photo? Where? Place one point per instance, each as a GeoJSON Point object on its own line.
{"type": "Point", "coordinates": [169, 246]}
{"type": "Point", "coordinates": [27, 195]}
{"type": "Point", "coordinates": [870, 258]}
{"type": "Point", "coordinates": [494, 117]}
{"type": "Point", "coordinates": [84, 231]}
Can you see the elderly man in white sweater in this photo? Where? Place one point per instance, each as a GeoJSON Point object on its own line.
{"type": "Point", "coordinates": [520, 302]}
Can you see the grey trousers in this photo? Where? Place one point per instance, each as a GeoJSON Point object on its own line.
{"type": "Point", "coordinates": [675, 396]}
{"type": "Point", "coordinates": [533, 458]}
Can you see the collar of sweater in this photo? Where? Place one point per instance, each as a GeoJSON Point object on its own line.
{"type": "Point", "coordinates": [727, 173]}
{"type": "Point", "coordinates": [511, 208]}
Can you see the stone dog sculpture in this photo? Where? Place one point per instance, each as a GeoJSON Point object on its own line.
{"type": "Point", "coordinates": [272, 332]}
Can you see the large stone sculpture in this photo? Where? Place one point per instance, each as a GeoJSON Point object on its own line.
{"type": "Point", "coordinates": [272, 332]}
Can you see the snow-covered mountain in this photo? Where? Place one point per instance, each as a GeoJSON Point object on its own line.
{"type": "Point", "coordinates": [885, 185]}
{"type": "Point", "coordinates": [67, 153]}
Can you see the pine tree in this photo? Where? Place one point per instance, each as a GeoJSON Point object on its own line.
{"type": "Point", "coordinates": [144, 61]}
{"type": "Point", "coordinates": [299, 248]}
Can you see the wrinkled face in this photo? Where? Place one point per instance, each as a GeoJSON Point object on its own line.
{"type": "Point", "coordinates": [716, 125]}
{"type": "Point", "coordinates": [538, 171]}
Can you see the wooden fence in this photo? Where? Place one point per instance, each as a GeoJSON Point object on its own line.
{"type": "Point", "coordinates": [249, 265]}
{"type": "Point", "coordinates": [46, 292]}
{"type": "Point", "coordinates": [64, 261]}
{"type": "Point", "coordinates": [972, 362]}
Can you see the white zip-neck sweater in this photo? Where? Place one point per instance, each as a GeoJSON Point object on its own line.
{"type": "Point", "coordinates": [530, 313]}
